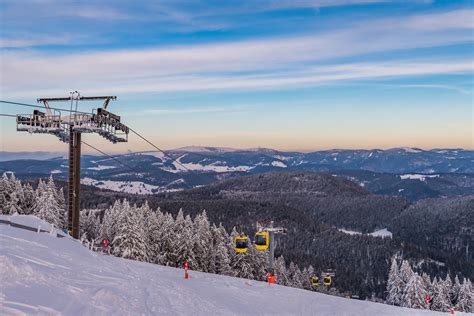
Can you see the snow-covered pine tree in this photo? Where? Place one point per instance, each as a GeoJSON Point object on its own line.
{"type": "Point", "coordinates": [298, 278]}
{"type": "Point", "coordinates": [46, 206]}
{"type": "Point", "coordinates": [130, 239]}
{"type": "Point", "coordinates": [454, 292]}
{"type": "Point", "coordinates": [110, 220]}
{"type": "Point", "coordinates": [203, 242]}
{"type": "Point", "coordinates": [291, 274]}
{"type": "Point", "coordinates": [308, 274]}
{"type": "Point", "coordinates": [395, 284]}
{"type": "Point", "coordinates": [259, 263]}
{"type": "Point", "coordinates": [153, 226]}
{"type": "Point", "coordinates": [414, 293]}
{"type": "Point", "coordinates": [465, 302]}
{"type": "Point", "coordinates": [221, 250]}
{"type": "Point", "coordinates": [181, 245]}
{"type": "Point", "coordinates": [90, 224]}
{"type": "Point", "coordinates": [27, 205]}
{"type": "Point", "coordinates": [280, 271]}
{"type": "Point", "coordinates": [167, 235]}
{"type": "Point", "coordinates": [441, 299]}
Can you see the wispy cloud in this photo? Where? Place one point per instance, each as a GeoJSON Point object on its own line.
{"type": "Point", "coordinates": [227, 65]}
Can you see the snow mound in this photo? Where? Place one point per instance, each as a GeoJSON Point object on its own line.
{"type": "Point", "coordinates": [42, 274]}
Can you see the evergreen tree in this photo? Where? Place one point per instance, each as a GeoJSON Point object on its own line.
{"type": "Point", "coordinates": [414, 293]}
{"type": "Point", "coordinates": [153, 231]}
{"type": "Point", "coordinates": [280, 271]}
{"type": "Point", "coordinates": [130, 238]}
{"type": "Point", "coordinates": [29, 200]}
{"type": "Point", "coordinates": [47, 207]}
{"type": "Point", "coordinates": [465, 302]}
{"type": "Point", "coordinates": [395, 284]}
{"type": "Point", "coordinates": [90, 225]}
{"type": "Point", "coordinates": [454, 292]}
{"type": "Point", "coordinates": [221, 250]}
{"type": "Point", "coordinates": [203, 243]}
{"type": "Point", "coordinates": [441, 299]}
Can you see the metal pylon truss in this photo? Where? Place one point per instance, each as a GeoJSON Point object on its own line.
{"type": "Point", "coordinates": [102, 122]}
{"type": "Point", "coordinates": [69, 129]}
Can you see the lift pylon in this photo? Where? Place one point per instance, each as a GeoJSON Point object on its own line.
{"type": "Point", "coordinates": [69, 129]}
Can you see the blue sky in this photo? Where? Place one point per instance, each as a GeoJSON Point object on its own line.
{"type": "Point", "coordinates": [290, 75]}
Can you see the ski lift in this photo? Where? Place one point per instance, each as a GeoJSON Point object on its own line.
{"type": "Point", "coordinates": [262, 240]}
{"type": "Point", "coordinates": [314, 281]}
{"type": "Point", "coordinates": [327, 280]}
{"type": "Point", "coordinates": [241, 243]}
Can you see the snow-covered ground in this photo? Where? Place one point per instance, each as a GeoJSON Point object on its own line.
{"type": "Point", "coordinates": [134, 187]}
{"type": "Point", "coordinates": [378, 233]}
{"type": "Point", "coordinates": [421, 177]}
{"type": "Point", "coordinates": [42, 274]}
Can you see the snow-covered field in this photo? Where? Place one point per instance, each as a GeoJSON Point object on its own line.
{"type": "Point", "coordinates": [378, 233]}
{"type": "Point", "coordinates": [134, 187]}
{"type": "Point", "coordinates": [42, 274]}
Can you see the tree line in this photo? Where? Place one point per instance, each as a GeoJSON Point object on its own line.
{"type": "Point", "coordinates": [409, 289]}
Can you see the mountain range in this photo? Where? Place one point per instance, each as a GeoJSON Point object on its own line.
{"type": "Point", "coordinates": [411, 173]}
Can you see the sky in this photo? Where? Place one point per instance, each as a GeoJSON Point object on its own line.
{"type": "Point", "coordinates": [290, 75]}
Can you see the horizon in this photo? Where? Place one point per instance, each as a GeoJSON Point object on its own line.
{"type": "Point", "coordinates": [92, 152]}
{"type": "Point", "coordinates": [292, 76]}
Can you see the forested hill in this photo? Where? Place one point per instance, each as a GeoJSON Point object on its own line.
{"type": "Point", "coordinates": [332, 200]}
{"type": "Point", "coordinates": [313, 206]}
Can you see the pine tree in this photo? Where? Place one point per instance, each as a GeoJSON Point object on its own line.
{"type": "Point", "coordinates": [454, 292]}
{"type": "Point", "coordinates": [46, 206]}
{"type": "Point", "coordinates": [203, 242]}
{"type": "Point", "coordinates": [221, 250]}
{"type": "Point", "coordinates": [395, 284]}
{"type": "Point", "coordinates": [153, 230]}
{"type": "Point", "coordinates": [29, 199]}
{"type": "Point", "coordinates": [414, 293]}
{"type": "Point", "coordinates": [280, 271]}
{"type": "Point", "coordinates": [130, 239]}
{"type": "Point", "coordinates": [90, 225]}
{"type": "Point", "coordinates": [465, 302]}
{"type": "Point", "coordinates": [441, 300]}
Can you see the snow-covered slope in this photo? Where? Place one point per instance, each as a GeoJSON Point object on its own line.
{"type": "Point", "coordinates": [42, 274]}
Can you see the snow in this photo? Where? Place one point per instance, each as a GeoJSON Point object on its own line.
{"type": "Point", "coordinates": [99, 167]}
{"type": "Point", "coordinates": [378, 233]}
{"type": "Point", "coordinates": [42, 274]}
{"type": "Point", "coordinates": [382, 233]}
{"type": "Point", "coordinates": [411, 150]}
{"type": "Point", "coordinates": [202, 149]}
{"type": "Point", "coordinates": [421, 177]}
{"type": "Point", "coordinates": [55, 171]}
{"type": "Point", "coordinates": [278, 164]}
{"type": "Point", "coordinates": [217, 166]}
{"type": "Point", "coordinates": [134, 187]}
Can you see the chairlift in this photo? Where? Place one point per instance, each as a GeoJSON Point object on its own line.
{"type": "Point", "coordinates": [314, 281]}
{"type": "Point", "coordinates": [262, 240]}
{"type": "Point", "coordinates": [241, 243]}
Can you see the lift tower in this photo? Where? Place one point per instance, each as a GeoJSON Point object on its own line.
{"type": "Point", "coordinates": [69, 129]}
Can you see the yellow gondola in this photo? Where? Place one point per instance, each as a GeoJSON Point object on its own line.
{"type": "Point", "coordinates": [241, 243]}
{"type": "Point", "coordinates": [314, 281]}
{"type": "Point", "coordinates": [262, 240]}
{"type": "Point", "coordinates": [327, 280]}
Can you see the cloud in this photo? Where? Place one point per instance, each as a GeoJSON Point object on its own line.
{"type": "Point", "coordinates": [262, 63]}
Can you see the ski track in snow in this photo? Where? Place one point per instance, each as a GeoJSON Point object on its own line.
{"type": "Point", "coordinates": [61, 277]}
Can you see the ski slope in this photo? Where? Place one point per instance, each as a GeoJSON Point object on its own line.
{"type": "Point", "coordinates": [43, 274]}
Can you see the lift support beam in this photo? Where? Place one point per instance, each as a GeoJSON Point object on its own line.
{"type": "Point", "coordinates": [74, 183]}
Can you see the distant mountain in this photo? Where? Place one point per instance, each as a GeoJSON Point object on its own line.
{"type": "Point", "coordinates": [38, 155]}
{"type": "Point", "coordinates": [408, 172]}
